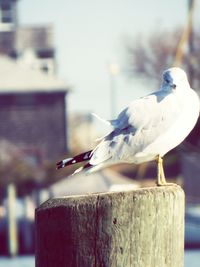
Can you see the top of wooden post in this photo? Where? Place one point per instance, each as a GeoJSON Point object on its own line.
{"type": "Point", "coordinates": [137, 193]}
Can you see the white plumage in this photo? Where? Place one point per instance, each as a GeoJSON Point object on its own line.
{"type": "Point", "coordinates": [150, 126]}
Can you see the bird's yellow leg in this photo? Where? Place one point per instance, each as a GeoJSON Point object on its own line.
{"type": "Point", "coordinates": [161, 181]}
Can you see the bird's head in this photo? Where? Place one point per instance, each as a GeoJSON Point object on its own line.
{"type": "Point", "coordinates": [174, 79]}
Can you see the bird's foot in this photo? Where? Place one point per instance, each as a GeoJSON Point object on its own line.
{"type": "Point", "coordinates": [165, 184]}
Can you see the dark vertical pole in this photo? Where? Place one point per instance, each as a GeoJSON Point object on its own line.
{"type": "Point", "coordinates": [12, 221]}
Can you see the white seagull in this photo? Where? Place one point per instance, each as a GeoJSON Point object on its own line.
{"type": "Point", "coordinates": [148, 128]}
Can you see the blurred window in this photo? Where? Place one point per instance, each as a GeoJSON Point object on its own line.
{"type": "Point", "coordinates": [5, 6]}
{"type": "Point", "coordinates": [6, 12]}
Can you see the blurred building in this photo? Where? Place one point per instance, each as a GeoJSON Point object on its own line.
{"type": "Point", "coordinates": [32, 98]}
{"type": "Point", "coordinates": [32, 110]}
{"type": "Point", "coordinates": [8, 18]}
{"type": "Point", "coordinates": [34, 47]}
{"type": "Point", "coordinates": [31, 44]}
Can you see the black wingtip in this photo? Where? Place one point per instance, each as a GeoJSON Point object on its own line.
{"type": "Point", "coordinates": [70, 161]}
{"type": "Point", "coordinates": [59, 165]}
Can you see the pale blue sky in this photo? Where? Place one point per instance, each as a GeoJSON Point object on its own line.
{"type": "Point", "coordinates": [89, 34]}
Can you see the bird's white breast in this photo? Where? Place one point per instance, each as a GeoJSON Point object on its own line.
{"type": "Point", "coordinates": [188, 104]}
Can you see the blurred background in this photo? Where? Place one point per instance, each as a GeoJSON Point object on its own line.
{"type": "Point", "coordinates": [61, 61]}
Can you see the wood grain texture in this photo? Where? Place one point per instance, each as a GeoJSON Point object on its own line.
{"type": "Point", "coordinates": [141, 228]}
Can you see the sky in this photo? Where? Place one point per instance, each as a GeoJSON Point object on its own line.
{"type": "Point", "coordinates": [89, 35]}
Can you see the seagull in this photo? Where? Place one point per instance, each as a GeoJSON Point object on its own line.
{"type": "Point", "coordinates": [146, 129]}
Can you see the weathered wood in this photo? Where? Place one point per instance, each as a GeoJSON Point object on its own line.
{"type": "Point", "coordinates": [141, 228]}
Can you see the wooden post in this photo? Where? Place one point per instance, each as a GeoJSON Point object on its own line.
{"type": "Point", "coordinates": [12, 221]}
{"type": "Point", "coordinates": [141, 228]}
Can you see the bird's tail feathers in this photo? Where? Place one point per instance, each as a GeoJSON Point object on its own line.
{"type": "Point", "coordinates": [70, 161]}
